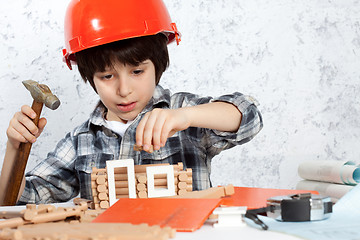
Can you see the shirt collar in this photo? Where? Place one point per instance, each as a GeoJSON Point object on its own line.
{"type": "Point", "coordinates": [160, 98]}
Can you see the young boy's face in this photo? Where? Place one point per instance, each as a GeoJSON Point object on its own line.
{"type": "Point", "coordinates": [125, 90]}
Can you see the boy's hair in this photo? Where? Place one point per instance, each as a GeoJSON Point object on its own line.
{"type": "Point", "coordinates": [131, 51]}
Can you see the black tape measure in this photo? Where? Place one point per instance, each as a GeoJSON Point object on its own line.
{"type": "Point", "coordinates": [294, 208]}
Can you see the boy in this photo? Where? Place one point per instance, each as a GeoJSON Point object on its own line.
{"type": "Point", "coordinates": [121, 49]}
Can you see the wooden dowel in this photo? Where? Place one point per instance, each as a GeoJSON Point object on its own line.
{"type": "Point", "coordinates": [121, 184]}
{"type": "Point", "coordinates": [141, 177]}
{"type": "Point", "coordinates": [182, 185]}
{"type": "Point", "coordinates": [11, 223]}
{"type": "Point", "coordinates": [141, 187]}
{"type": "Point", "coordinates": [103, 196]}
{"type": "Point", "coordinates": [101, 179]}
{"type": "Point", "coordinates": [101, 188]}
{"type": "Point", "coordinates": [142, 194]}
{"type": "Point", "coordinates": [118, 196]}
{"type": "Point", "coordinates": [122, 191]}
{"type": "Point", "coordinates": [104, 204]}
{"type": "Point", "coordinates": [138, 168]}
{"type": "Point", "coordinates": [183, 177]}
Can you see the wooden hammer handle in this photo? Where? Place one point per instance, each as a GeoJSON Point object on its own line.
{"type": "Point", "coordinates": [18, 168]}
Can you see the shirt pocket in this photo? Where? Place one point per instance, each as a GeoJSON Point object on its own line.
{"type": "Point", "coordinates": [170, 153]}
{"type": "Point", "coordinates": [85, 163]}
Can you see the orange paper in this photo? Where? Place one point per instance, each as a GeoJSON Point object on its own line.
{"type": "Point", "coordinates": [184, 215]}
{"type": "Point", "coordinates": [256, 197]}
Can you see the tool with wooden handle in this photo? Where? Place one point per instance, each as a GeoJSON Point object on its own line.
{"type": "Point", "coordinates": [41, 95]}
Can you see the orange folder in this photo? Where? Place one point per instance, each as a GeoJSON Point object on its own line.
{"type": "Point", "coordinates": [184, 215]}
{"type": "Point", "coordinates": [256, 197]}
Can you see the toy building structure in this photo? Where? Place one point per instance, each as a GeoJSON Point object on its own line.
{"type": "Point", "coordinates": [100, 184]}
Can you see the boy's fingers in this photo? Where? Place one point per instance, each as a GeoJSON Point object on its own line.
{"type": "Point", "coordinates": [148, 130]}
{"type": "Point", "coordinates": [140, 130]}
{"type": "Point", "coordinates": [15, 135]}
{"type": "Point", "coordinates": [17, 129]}
{"type": "Point", "coordinates": [24, 120]}
{"type": "Point", "coordinates": [41, 126]}
{"type": "Point", "coordinates": [28, 111]}
{"type": "Point", "coordinates": [158, 131]}
{"type": "Point", "coordinates": [165, 134]}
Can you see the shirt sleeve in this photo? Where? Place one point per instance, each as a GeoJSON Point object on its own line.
{"type": "Point", "coordinates": [216, 141]}
{"type": "Point", "coordinates": [251, 119]}
{"type": "Point", "coordinates": [53, 179]}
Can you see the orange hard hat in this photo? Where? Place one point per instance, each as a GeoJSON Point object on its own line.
{"type": "Point", "coordinates": [90, 23]}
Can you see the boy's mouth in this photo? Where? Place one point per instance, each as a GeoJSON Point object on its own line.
{"type": "Point", "coordinates": [126, 107]}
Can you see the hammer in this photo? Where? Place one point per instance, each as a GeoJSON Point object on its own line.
{"type": "Point", "coordinates": [41, 95]}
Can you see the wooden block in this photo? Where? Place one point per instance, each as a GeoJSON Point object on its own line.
{"type": "Point", "coordinates": [122, 196]}
{"type": "Point", "coordinates": [12, 222]}
{"type": "Point", "coordinates": [140, 148]}
{"type": "Point", "coordinates": [142, 194]}
{"type": "Point", "coordinates": [30, 213]}
{"type": "Point", "coordinates": [121, 184]}
{"type": "Point", "coordinates": [102, 188]}
{"type": "Point", "coordinates": [180, 166]}
{"type": "Point", "coordinates": [182, 185]}
{"type": "Point", "coordinates": [120, 177]}
{"type": "Point", "coordinates": [31, 206]}
{"type": "Point", "coordinates": [98, 170]}
{"type": "Point", "coordinates": [141, 187]}
{"type": "Point", "coordinates": [229, 190]}
{"type": "Point", "coordinates": [138, 168]}
{"type": "Point", "coordinates": [13, 234]}
{"type": "Point", "coordinates": [183, 177]}
{"type": "Point", "coordinates": [11, 214]}
{"type": "Point", "coordinates": [101, 179]}
{"type": "Point", "coordinates": [141, 177]}
{"type": "Point", "coordinates": [122, 191]}
{"type": "Point", "coordinates": [103, 196]}
{"type": "Point", "coordinates": [96, 200]}
{"type": "Point", "coordinates": [104, 204]}
{"type": "Point", "coordinates": [211, 193]}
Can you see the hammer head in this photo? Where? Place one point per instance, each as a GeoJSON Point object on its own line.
{"type": "Point", "coordinates": [41, 93]}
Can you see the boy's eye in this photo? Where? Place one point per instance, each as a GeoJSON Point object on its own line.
{"type": "Point", "coordinates": [109, 76]}
{"type": "Point", "coordinates": [137, 72]}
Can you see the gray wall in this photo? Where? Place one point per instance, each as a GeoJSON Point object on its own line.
{"type": "Point", "coordinates": [299, 59]}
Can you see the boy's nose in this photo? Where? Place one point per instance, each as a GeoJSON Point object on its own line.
{"type": "Point", "coordinates": [123, 88]}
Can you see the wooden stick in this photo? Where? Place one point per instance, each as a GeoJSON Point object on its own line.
{"type": "Point", "coordinates": [104, 204]}
{"type": "Point", "coordinates": [122, 191]}
{"type": "Point", "coordinates": [101, 179]}
{"type": "Point", "coordinates": [138, 168]}
{"type": "Point", "coordinates": [118, 196]}
{"type": "Point", "coordinates": [141, 187]}
{"type": "Point", "coordinates": [103, 196]}
{"type": "Point", "coordinates": [11, 214]}
{"type": "Point", "coordinates": [142, 194]}
{"type": "Point", "coordinates": [12, 222]}
{"type": "Point", "coordinates": [102, 188]}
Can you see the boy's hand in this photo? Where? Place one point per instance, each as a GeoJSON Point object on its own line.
{"type": "Point", "coordinates": [158, 125]}
{"type": "Point", "coordinates": [22, 129]}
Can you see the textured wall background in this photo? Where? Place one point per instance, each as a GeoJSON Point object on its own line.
{"type": "Point", "coordinates": [300, 60]}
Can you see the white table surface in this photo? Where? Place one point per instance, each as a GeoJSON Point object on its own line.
{"type": "Point", "coordinates": [207, 231]}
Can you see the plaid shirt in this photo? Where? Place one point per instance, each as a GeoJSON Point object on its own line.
{"type": "Point", "coordinates": [66, 171]}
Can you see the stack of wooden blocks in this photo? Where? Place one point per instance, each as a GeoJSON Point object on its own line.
{"type": "Point", "coordinates": [100, 190]}
{"type": "Point", "coordinates": [49, 222]}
